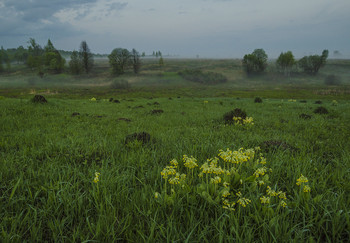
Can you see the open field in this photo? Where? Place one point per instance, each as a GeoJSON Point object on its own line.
{"type": "Point", "coordinates": [69, 172]}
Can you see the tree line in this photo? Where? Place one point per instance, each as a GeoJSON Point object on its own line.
{"type": "Point", "coordinates": [256, 62]}
{"type": "Point", "coordinates": [48, 59]}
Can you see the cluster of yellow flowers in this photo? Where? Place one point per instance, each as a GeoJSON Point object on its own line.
{"type": "Point", "coordinates": [93, 99]}
{"type": "Point", "coordinates": [291, 100]}
{"type": "Point", "coordinates": [301, 181]}
{"type": "Point", "coordinates": [97, 177]}
{"type": "Point", "coordinates": [210, 167]}
{"type": "Point", "coordinates": [236, 157]}
{"type": "Point", "coordinates": [246, 121]}
{"type": "Point", "coordinates": [189, 162]}
{"type": "Point", "coordinates": [213, 182]}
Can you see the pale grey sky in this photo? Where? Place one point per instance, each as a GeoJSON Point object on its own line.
{"type": "Point", "coordinates": [209, 28]}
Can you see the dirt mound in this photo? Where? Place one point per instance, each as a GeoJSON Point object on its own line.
{"type": "Point", "coordinates": [228, 117]}
{"type": "Point", "coordinates": [258, 100]}
{"type": "Point", "coordinates": [39, 99]}
{"type": "Point", "coordinates": [321, 110]}
{"type": "Point", "coordinates": [156, 112]}
{"type": "Point", "coordinates": [75, 114]}
{"type": "Point", "coordinates": [124, 119]}
{"type": "Point", "coordinates": [143, 137]}
{"type": "Point", "coordinates": [305, 116]}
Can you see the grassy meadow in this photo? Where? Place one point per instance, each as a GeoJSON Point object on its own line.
{"type": "Point", "coordinates": [71, 171]}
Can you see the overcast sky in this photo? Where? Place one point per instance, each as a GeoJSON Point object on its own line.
{"type": "Point", "coordinates": [208, 28]}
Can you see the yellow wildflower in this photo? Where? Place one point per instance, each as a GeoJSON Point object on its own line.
{"type": "Point", "coordinates": [189, 162]}
{"type": "Point", "coordinates": [215, 180]}
{"type": "Point", "coordinates": [206, 102]}
{"type": "Point", "coordinates": [265, 200]}
{"type": "Point", "coordinates": [282, 195]}
{"type": "Point", "coordinates": [244, 201]}
{"type": "Point", "coordinates": [283, 203]}
{"type": "Point", "coordinates": [226, 184]}
{"type": "Point", "coordinates": [260, 172]}
{"type": "Point", "coordinates": [97, 175]}
{"type": "Point", "coordinates": [307, 188]}
{"type": "Point", "coordinates": [93, 99]}
{"type": "Point", "coordinates": [271, 192]}
{"type": "Point", "coordinates": [301, 179]}
{"type": "Point", "coordinates": [174, 163]}
{"type": "Point", "coordinates": [225, 193]}
{"type": "Point", "coordinates": [229, 206]}
{"type": "Point", "coordinates": [168, 170]}
{"type": "Point", "coordinates": [156, 195]}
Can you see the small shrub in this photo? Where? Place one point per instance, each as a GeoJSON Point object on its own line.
{"type": "Point", "coordinates": [303, 101]}
{"type": "Point", "coordinates": [39, 99]}
{"type": "Point", "coordinates": [120, 84]}
{"type": "Point", "coordinates": [75, 114]}
{"type": "Point", "coordinates": [116, 101]}
{"type": "Point", "coordinates": [228, 116]}
{"type": "Point", "coordinates": [321, 110]}
{"type": "Point", "coordinates": [332, 80]}
{"type": "Point", "coordinates": [318, 102]}
{"type": "Point", "coordinates": [258, 100]}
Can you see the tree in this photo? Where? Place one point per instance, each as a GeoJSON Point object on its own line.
{"type": "Point", "coordinates": [35, 53]}
{"type": "Point", "coordinates": [75, 65]}
{"type": "Point", "coordinates": [53, 59]}
{"type": "Point", "coordinates": [136, 61]}
{"type": "Point", "coordinates": [285, 62]}
{"type": "Point", "coordinates": [255, 62]}
{"type": "Point", "coordinates": [312, 64]}
{"type": "Point", "coordinates": [86, 57]}
{"type": "Point", "coordinates": [119, 59]}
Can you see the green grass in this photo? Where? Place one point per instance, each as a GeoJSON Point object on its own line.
{"type": "Point", "coordinates": [48, 160]}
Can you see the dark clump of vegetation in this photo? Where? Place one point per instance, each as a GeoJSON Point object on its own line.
{"type": "Point", "coordinates": [273, 145]}
{"type": "Point", "coordinates": [39, 99]}
{"type": "Point", "coordinates": [228, 116]}
{"type": "Point", "coordinates": [303, 101]}
{"type": "Point", "coordinates": [318, 102]}
{"type": "Point", "coordinates": [258, 100]}
{"type": "Point", "coordinates": [124, 119]}
{"type": "Point", "coordinates": [75, 114]}
{"type": "Point", "coordinates": [321, 110]}
{"type": "Point", "coordinates": [116, 101]}
{"type": "Point", "coordinates": [305, 116]}
{"type": "Point", "coordinates": [332, 80]}
{"type": "Point", "coordinates": [198, 76]}
{"type": "Point", "coordinates": [142, 137]}
{"type": "Point", "coordinates": [156, 112]}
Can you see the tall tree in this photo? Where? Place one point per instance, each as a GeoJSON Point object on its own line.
{"type": "Point", "coordinates": [86, 57]}
{"type": "Point", "coordinates": [312, 64]}
{"type": "Point", "coordinates": [119, 59]}
{"type": "Point", "coordinates": [256, 62]}
{"type": "Point", "coordinates": [53, 60]}
{"type": "Point", "coordinates": [285, 62]}
{"type": "Point", "coordinates": [75, 66]}
{"type": "Point", "coordinates": [136, 61]}
{"type": "Point", "coordinates": [35, 53]}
